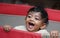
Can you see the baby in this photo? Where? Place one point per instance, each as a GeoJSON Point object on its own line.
{"type": "Point", "coordinates": [36, 21]}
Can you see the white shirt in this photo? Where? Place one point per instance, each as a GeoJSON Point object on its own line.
{"type": "Point", "coordinates": [43, 32]}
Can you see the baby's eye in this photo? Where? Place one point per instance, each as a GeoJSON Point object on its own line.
{"type": "Point", "coordinates": [37, 18]}
{"type": "Point", "coordinates": [29, 16]}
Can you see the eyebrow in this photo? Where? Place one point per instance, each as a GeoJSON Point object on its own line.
{"type": "Point", "coordinates": [37, 16]}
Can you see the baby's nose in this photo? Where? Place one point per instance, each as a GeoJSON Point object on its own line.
{"type": "Point", "coordinates": [32, 19]}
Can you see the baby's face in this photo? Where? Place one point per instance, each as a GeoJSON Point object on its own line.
{"type": "Point", "coordinates": [33, 21]}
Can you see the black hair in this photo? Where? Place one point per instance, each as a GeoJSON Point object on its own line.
{"type": "Point", "coordinates": [40, 9]}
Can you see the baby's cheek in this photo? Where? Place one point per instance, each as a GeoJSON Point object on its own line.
{"type": "Point", "coordinates": [38, 22]}
{"type": "Point", "coordinates": [26, 20]}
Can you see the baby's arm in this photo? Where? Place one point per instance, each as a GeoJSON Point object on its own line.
{"type": "Point", "coordinates": [7, 28]}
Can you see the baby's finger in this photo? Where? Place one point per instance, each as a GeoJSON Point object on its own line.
{"type": "Point", "coordinates": [7, 28]}
{"type": "Point", "coordinates": [54, 34]}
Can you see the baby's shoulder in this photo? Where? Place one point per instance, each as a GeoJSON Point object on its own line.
{"type": "Point", "coordinates": [43, 32]}
{"type": "Point", "coordinates": [20, 27]}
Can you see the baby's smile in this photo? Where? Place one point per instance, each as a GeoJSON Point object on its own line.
{"type": "Point", "coordinates": [31, 25]}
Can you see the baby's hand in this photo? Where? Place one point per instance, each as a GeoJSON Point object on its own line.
{"type": "Point", "coordinates": [54, 34]}
{"type": "Point", "coordinates": [7, 28]}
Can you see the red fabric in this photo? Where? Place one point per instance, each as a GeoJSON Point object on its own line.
{"type": "Point", "coordinates": [18, 34]}
{"type": "Point", "coordinates": [53, 14]}
{"type": "Point", "coordinates": [14, 9]}
{"type": "Point", "coordinates": [19, 9]}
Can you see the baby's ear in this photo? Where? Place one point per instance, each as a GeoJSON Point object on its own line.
{"type": "Point", "coordinates": [43, 26]}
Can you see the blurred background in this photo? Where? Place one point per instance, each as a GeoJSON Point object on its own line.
{"type": "Point", "coordinates": [19, 20]}
{"type": "Point", "coordinates": [54, 4]}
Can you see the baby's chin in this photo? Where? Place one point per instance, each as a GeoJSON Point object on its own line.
{"type": "Point", "coordinates": [30, 30]}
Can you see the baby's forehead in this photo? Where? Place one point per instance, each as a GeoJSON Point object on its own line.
{"type": "Point", "coordinates": [34, 13]}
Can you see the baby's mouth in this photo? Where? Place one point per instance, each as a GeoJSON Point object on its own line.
{"type": "Point", "coordinates": [31, 25]}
